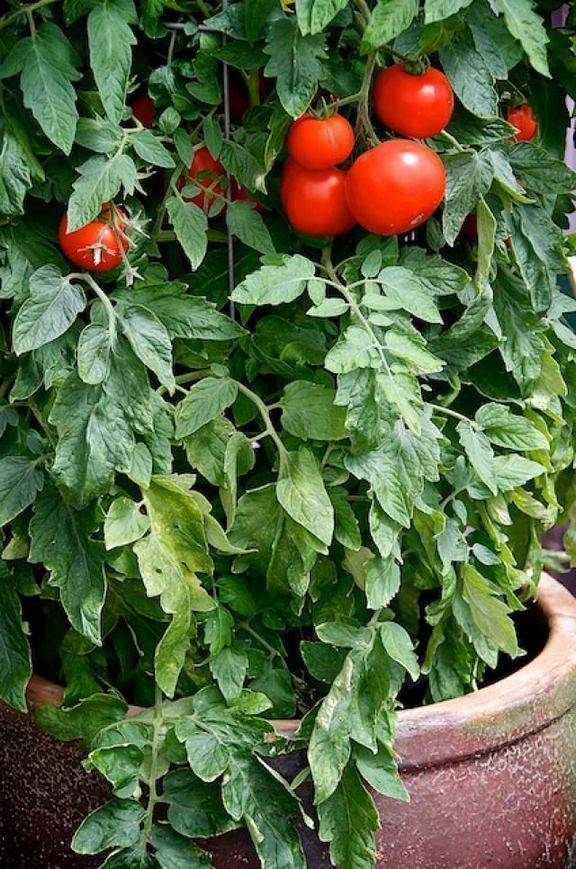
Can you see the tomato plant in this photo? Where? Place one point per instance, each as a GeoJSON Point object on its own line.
{"type": "Point", "coordinates": [416, 104]}
{"type": "Point", "coordinates": [253, 455]}
{"type": "Point", "coordinates": [395, 187]}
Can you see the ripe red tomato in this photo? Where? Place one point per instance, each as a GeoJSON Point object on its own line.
{"type": "Point", "coordinates": [320, 144]}
{"type": "Point", "coordinates": [143, 109]}
{"type": "Point", "coordinates": [523, 118]}
{"type": "Point", "coordinates": [413, 105]}
{"type": "Point", "coordinates": [395, 187]}
{"type": "Point", "coordinates": [315, 201]}
{"type": "Point", "coordinates": [97, 246]}
{"type": "Point", "coordinates": [203, 171]}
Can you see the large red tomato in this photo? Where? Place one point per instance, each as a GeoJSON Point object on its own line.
{"type": "Point", "coordinates": [320, 144]}
{"type": "Point", "coordinates": [414, 105]}
{"type": "Point", "coordinates": [523, 118]}
{"type": "Point", "coordinates": [315, 201]}
{"type": "Point", "coordinates": [395, 187]}
{"type": "Point", "coordinates": [96, 246]}
{"type": "Point", "coordinates": [143, 109]}
{"type": "Point", "coordinates": [203, 171]}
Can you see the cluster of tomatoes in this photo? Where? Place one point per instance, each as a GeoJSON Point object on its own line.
{"type": "Point", "coordinates": [390, 189]}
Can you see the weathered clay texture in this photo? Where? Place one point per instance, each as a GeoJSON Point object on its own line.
{"type": "Point", "coordinates": [492, 776]}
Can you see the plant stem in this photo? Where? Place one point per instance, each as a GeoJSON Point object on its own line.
{"type": "Point", "coordinates": [109, 307]}
{"type": "Point", "coordinates": [152, 791]}
{"type": "Point", "coordinates": [327, 262]}
{"type": "Point", "coordinates": [190, 377]}
{"type": "Point", "coordinates": [447, 411]}
{"type": "Point", "coordinates": [25, 10]}
{"type": "Point", "coordinates": [264, 643]}
{"type": "Point", "coordinates": [269, 425]}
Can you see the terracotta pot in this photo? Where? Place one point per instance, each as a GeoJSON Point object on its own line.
{"type": "Point", "coordinates": [492, 775]}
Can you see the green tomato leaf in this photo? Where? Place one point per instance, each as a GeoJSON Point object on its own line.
{"type": "Point", "coordinates": [247, 224]}
{"type": "Point", "coordinates": [281, 279]}
{"type": "Point", "coordinates": [100, 181]}
{"type": "Point", "coordinates": [150, 341]}
{"type": "Point", "coordinates": [110, 39]}
{"type": "Point", "coordinates": [60, 539]}
{"type": "Point", "coordinates": [113, 825]}
{"type": "Point", "coordinates": [124, 523]}
{"type": "Point", "coordinates": [190, 225]}
{"type": "Point", "coordinates": [296, 62]}
{"type": "Point", "coordinates": [15, 660]}
{"type": "Point", "coordinates": [20, 481]}
{"type": "Point", "coordinates": [315, 15]}
{"type": "Point", "coordinates": [300, 491]}
{"type": "Point", "coordinates": [388, 19]}
{"type": "Point", "coordinates": [348, 822]}
{"type": "Point", "coordinates": [51, 308]}
{"type": "Point", "coordinates": [309, 412]}
{"type": "Point", "coordinates": [527, 27]}
{"type": "Point", "coordinates": [205, 401]}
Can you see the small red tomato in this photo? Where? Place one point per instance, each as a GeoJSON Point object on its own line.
{"type": "Point", "coordinates": [413, 105]}
{"type": "Point", "coordinates": [143, 110]}
{"type": "Point", "coordinates": [523, 118]}
{"type": "Point", "coordinates": [470, 229]}
{"type": "Point", "coordinates": [241, 193]}
{"type": "Point", "coordinates": [203, 172]}
{"type": "Point", "coordinates": [320, 144]}
{"type": "Point", "coordinates": [395, 187]}
{"type": "Point", "coordinates": [97, 246]}
{"type": "Point", "coordinates": [315, 201]}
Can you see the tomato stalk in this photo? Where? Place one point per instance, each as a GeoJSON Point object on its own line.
{"type": "Point", "coordinates": [25, 10]}
{"type": "Point", "coordinates": [153, 796]}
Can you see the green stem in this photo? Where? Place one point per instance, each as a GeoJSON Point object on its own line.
{"type": "Point", "coordinates": [454, 142]}
{"type": "Point", "coordinates": [108, 306]}
{"type": "Point", "coordinates": [156, 229]}
{"type": "Point", "coordinates": [327, 262]}
{"type": "Point", "coordinates": [447, 411]}
{"type": "Point", "coordinates": [264, 643]}
{"type": "Point", "coordinates": [25, 10]}
{"type": "Point", "coordinates": [153, 766]}
{"type": "Point", "coordinates": [268, 424]}
{"type": "Point", "coordinates": [190, 377]}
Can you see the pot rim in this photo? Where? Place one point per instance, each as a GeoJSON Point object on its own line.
{"type": "Point", "coordinates": [498, 715]}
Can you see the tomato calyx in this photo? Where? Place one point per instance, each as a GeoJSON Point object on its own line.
{"type": "Point", "coordinates": [416, 65]}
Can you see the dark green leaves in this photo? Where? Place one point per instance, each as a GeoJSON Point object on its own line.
{"type": "Point", "coordinates": [468, 178]}
{"type": "Point", "coordinates": [110, 39]}
{"type": "Point", "coordinates": [471, 78]}
{"type": "Point", "coordinates": [51, 308]}
{"type": "Point", "coordinates": [526, 26]}
{"type": "Point", "coordinates": [301, 492]}
{"type": "Point", "coordinates": [348, 821]}
{"type": "Point", "coordinates": [15, 661]}
{"type": "Point", "coordinates": [204, 402]}
{"type": "Point", "coordinates": [296, 62]}
{"type": "Point", "coordinates": [281, 279]}
{"type": "Point", "coordinates": [46, 63]}
{"type": "Point", "coordinates": [100, 180]}
{"type": "Point", "coordinates": [314, 15]}
{"type": "Point", "coordinates": [388, 19]}
{"type": "Point", "coordinates": [61, 539]}
{"type": "Point", "coordinates": [190, 225]}
{"type": "Point", "coordinates": [114, 825]}
{"type": "Point", "coordinates": [309, 412]}
{"type": "Point", "coordinates": [20, 481]}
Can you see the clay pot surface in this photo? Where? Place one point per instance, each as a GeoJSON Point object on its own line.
{"type": "Point", "coordinates": [492, 775]}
